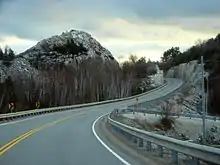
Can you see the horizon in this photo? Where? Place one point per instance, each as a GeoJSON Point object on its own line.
{"type": "Point", "coordinates": [143, 28]}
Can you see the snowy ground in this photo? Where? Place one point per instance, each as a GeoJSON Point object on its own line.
{"type": "Point", "coordinates": [190, 127]}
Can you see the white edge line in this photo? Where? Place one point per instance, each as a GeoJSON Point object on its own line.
{"type": "Point", "coordinates": [105, 145]}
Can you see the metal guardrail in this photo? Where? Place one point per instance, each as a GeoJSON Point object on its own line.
{"type": "Point", "coordinates": [196, 151]}
{"type": "Point", "coordinates": [12, 116]}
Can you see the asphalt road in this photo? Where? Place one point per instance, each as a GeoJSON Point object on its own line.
{"type": "Point", "coordinates": [151, 104]}
{"type": "Point", "coordinates": [64, 138]}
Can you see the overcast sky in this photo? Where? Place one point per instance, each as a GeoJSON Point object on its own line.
{"type": "Point", "coordinates": [143, 27]}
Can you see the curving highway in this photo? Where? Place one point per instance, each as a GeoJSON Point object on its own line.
{"type": "Point", "coordinates": [65, 138]}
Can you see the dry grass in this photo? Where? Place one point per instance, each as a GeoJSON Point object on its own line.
{"type": "Point", "coordinates": [165, 124]}
{"type": "Point", "coordinates": [143, 124]}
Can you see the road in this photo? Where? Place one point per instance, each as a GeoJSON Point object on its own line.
{"type": "Point", "coordinates": [146, 104]}
{"type": "Point", "coordinates": [64, 138]}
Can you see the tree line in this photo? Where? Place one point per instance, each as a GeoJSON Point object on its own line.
{"type": "Point", "coordinates": [7, 55]}
{"type": "Point", "coordinates": [90, 80]}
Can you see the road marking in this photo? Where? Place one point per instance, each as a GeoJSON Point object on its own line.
{"type": "Point", "coordinates": [9, 146]}
{"type": "Point", "coordinates": [105, 145]}
{"type": "Point", "coordinates": [15, 141]}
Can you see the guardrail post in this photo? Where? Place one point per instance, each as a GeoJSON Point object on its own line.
{"type": "Point", "coordinates": [195, 161]}
{"type": "Point", "coordinates": [175, 157]}
{"type": "Point", "coordinates": [134, 139]}
{"type": "Point", "coordinates": [140, 142]}
{"type": "Point", "coordinates": [149, 147]}
{"type": "Point", "coordinates": [160, 148]}
{"type": "Point", "coordinates": [116, 128]}
{"type": "Point", "coordinates": [129, 136]}
{"type": "Point", "coordinates": [126, 134]}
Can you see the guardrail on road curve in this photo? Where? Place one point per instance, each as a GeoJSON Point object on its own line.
{"type": "Point", "coordinates": [12, 116]}
{"type": "Point", "coordinates": [196, 151]}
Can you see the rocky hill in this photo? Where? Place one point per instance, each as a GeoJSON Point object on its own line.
{"type": "Point", "coordinates": [67, 69]}
{"type": "Point", "coordinates": [64, 69]}
{"type": "Point", "coordinates": [67, 48]}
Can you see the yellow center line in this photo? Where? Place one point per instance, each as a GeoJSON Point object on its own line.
{"type": "Point", "coordinates": [15, 141]}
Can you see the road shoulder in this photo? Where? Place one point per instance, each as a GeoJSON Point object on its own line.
{"type": "Point", "coordinates": [130, 152]}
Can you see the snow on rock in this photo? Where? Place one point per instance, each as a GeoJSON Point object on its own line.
{"type": "Point", "coordinates": [68, 48]}
{"type": "Point", "coordinates": [84, 45]}
{"type": "Point", "coordinates": [191, 73]}
{"type": "Point", "coordinates": [157, 79]}
{"type": "Point", "coordinates": [21, 66]}
{"type": "Point", "coordinates": [183, 71]}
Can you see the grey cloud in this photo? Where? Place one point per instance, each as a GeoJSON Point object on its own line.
{"type": "Point", "coordinates": [38, 31]}
{"type": "Point", "coordinates": [161, 8]}
{"type": "Point", "coordinates": [2, 3]}
{"type": "Point", "coordinates": [42, 18]}
{"type": "Point", "coordinates": [39, 19]}
{"type": "Point", "coordinates": [150, 47]}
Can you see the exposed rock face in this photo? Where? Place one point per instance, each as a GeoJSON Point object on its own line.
{"type": "Point", "coordinates": [157, 79]}
{"type": "Point", "coordinates": [191, 74]}
{"type": "Point", "coordinates": [67, 48]}
{"type": "Point", "coordinates": [184, 71]}
{"type": "Point", "coordinates": [22, 67]}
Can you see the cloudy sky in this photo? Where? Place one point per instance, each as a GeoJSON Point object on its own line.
{"type": "Point", "coordinates": [142, 27]}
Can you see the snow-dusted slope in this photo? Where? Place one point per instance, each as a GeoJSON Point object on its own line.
{"type": "Point", "coordinates": [19, 68]}
{"type": "Point", "coordinates": [67, 47]}
{"type": "Point", "coordinates": [22, 68]}
{"type": "Point", "coordinates": [191, 74]}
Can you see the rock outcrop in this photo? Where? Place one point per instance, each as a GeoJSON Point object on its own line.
{"type": "Point", "coordinates": [67, 48]}
{"type": "Point", "coordinates": [61, 70]}
{"type": "Point", "coordinates": [191, 74]}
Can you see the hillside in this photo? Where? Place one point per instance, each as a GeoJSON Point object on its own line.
{"type": "Point", "coordinates": [210, 50]}
{"type": "Point", "coordinates": [68, 47]}
{"type": "Point", "coordinates": [67, 69]}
